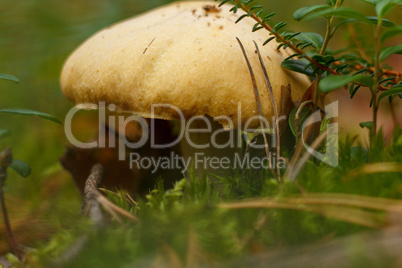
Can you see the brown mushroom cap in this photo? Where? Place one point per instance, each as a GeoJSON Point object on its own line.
{"type": "Point", "coordinates": [184, 54]}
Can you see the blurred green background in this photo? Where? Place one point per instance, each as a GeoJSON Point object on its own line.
{"type": "Point", "coordinates": [36, 37]}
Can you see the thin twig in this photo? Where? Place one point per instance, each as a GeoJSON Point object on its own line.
{"type": "Point", "coordinates": [299, 148]}
{"type": "Point", "coordinates": [90, 205]}
{"type": "Point", "coordinates": [386, 72]}
{"type": "Point", "coordinates": [271, 94]}
{"type": "Point", "coordinates": [257, 98]}
{"type": "Point", "coordinates": [307, 155]}
{"type": "Point", "coordinates": [6, 158]}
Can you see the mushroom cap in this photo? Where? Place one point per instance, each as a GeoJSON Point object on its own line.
{"type": "Point", "coordinates": [184, 54]}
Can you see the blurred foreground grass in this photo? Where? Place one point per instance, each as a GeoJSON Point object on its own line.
{"type": "Point", "coordinates": [245, 220]}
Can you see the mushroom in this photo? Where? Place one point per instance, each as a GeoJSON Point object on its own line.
{"type": "Point", "coordinates": [185, 56]}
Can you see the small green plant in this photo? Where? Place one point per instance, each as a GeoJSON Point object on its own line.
{"type": "Point", "coordinates": [7, 161]}
{"type": "Point", "coordinates": [328, 69]}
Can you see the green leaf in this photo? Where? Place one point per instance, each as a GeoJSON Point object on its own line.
{"type": "Point", "coordinates": [331, 2]}
{"type": "Point", "coordinates": [259, 13]}
{"type": "Point", "coordinates": [291, 56]}
{"type": "Point", "coordinates": [279, 26]}
{"type": "Point", "coordinates": [241, 17]}
{"type": "Point", "coordinates": [234, 9]}
{"type": "Point", "coordinates": [391, 32]}
{"type": "Point", "coordinates": [340, 12]}
{"type": "Point", "coordinates": [385, 22]}
{"type": "Point", "coordinates": [257, 27]}
{"type": "Point", "coordinates": [290, 36]}
{"type": "Point", "coordinates": [297, 66]}
{"type": "Point", "coordinates": [388, 51]}
{"type": "Point", "coordinates": [353, 90]}
{"type": "Point", "coordinates": [9, 77]}
{"type": "Point", "coordinates": [303, 116]}
{"type": "Point", "coordinates": [388, 79]}
{"type": "Point", "coordinates": [304, 11]}
{"type": "Point", "coordinates": [305, 45]}
{"type": "Point", "coordinates": [324, 59]}
{"type": "Point", "coordinates": [372, 2]}
{"type": "Point", "coordinates": [368, 124]}
{"type": "Point", "coordinates": [314, 38]}
{"type": "Point", "coordinates": [336, 81]}
{"type": "Point", "coordinates": [223, 2]}
{"type": "Point", "coordinates": [30, 113]}
{"type": "Point", "coordinates": [390, 92]}
{"type": "Point", "coordinates": [256, 7]}
{"type": "Point", "coordinates": [385, 6]}
{"type": "Point", "coordinates": [342, 23]}
{"type": "Point", "coordinates": [360, 71]}
{"type": "Point", "coordinates": [268, 40]}
{"type": "Point", "coordinates": [4, 133]}
{"type": "Point", "coordinates": [279, 46]}
{"type": "Point", "coordinates": [268, 17]}
{"type": "Point", "coordinates": [22, 168]}
{"type": "Point", "coordinates": [371, 19]}
{"type": "Point", "coordinates": [341, 68]}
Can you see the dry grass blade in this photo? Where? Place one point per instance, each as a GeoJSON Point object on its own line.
{"type": "Point", "coordinates": [119, 195]}
{"type": "Point", "coordinates": [295, 166]}
{"type": "Point", "coordinates": [343, 213]}
{"type": "Point", "coordinates": [373, 168]}
{"type": "Point", "coordinates": [299, 148]}
{"type": "Point", "coordinates": [257, 98]}
{"type": "Point", "coordinates": [271, 94]}
{"type": "Point", "coordinates": [106, 205]}
{"type": "Point", "coordinates": [131, 200]}
{"type": "Point", "coordinates": [365, 202]}
{"type": "Point", "coordinates": [106, 191]}
{"type": "Point", "coordinates": [307, 155]}
{"type": "Point", "coordinates": [113, 209]}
